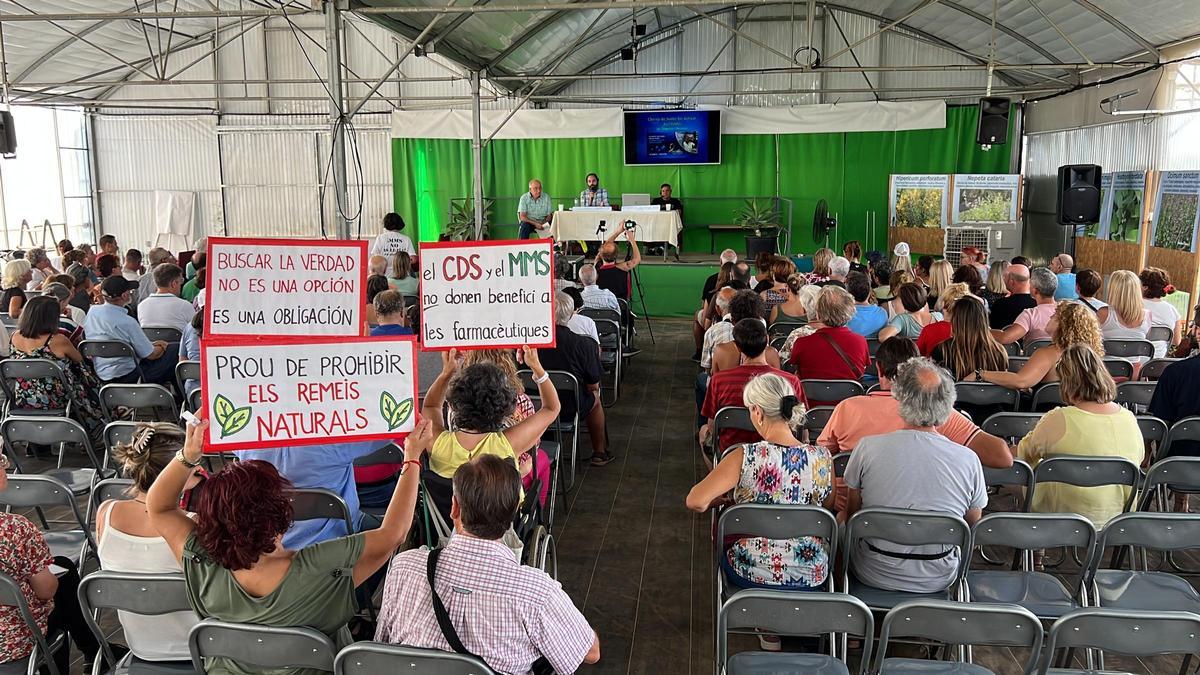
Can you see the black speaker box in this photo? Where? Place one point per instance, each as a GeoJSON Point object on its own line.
{"type": "Point", "coordinates": [993, 121]}
{"type": "Point", "coordinates": [8, 135]}
{"type": "Point", "coordinates": [1078, 194]}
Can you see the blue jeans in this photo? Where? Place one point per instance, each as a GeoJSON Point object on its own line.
{"type": "Point", "coordinates": [701, 391]}
{"type": "Point", "coordinates": [156, 371]}
{"type": "Point", "coordinates": [526, 231]}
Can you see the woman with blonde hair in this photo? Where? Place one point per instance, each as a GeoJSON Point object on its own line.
{"type": "Point", "coordinates": [17, 273]}
{"type": "Point", "coordinates": [1090, 424]}
{"type": "Point", "coordinates": [1072, 324]}
{"type": "Point", "coordinates": [126, 540]}
{"type": "Point", "coordinates": [940, 273]}
{"type": "Point", "coordinates": [939, 331]}
{"type": "Point", "coordinates": [995, 289]}
{"type": "Point", "coordinates": [1125, 317]}
{"type": "Point", "coordinates": [897, 279]}
{"type": "Point", "coordinates": [821, 260]}
{"type": "Point", "coordinates": [404, 274]}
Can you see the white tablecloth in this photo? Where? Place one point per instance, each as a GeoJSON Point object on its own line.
{"type": "Point", "coordinates": [652, 226]}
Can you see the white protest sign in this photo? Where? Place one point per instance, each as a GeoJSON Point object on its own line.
{"type": "Point", "coordinates": [274, 393]}
{"type": "Point", "coordinates": [283, 287]}
{"type": "Point", "coordinates": [487, 294]}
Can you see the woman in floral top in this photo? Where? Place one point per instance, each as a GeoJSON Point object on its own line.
{"type": "Point", "coordinates": [780, 469]}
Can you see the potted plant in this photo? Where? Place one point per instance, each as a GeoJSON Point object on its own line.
{"type": "Point", "coordinates": [754, 217]}
{"type": "Point", "coordinates": [462, 220]}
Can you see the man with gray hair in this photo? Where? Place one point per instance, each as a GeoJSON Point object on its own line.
{"type": "Point", "coordinates": [594, 296]}
{"type": "Point", "coordinates": [1031, 324]}
{"type": "Point", "coordinates": [157, 256]}
{"type": "Point", "coordinates": [378, 265]}
{"type": "Point", "coordinates": [914, 468]}
{"type": "Point", "coordinates": [41, 268]}
{"type": "Point", "coordinates": [578, 355]}
{"type": "Point", "coordinates": [839, 267]}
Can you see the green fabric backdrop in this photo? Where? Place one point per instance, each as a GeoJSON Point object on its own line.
{"type": "Point", "coordinates": [849, 170]}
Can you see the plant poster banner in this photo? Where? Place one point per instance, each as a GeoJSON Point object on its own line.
{"type": "Point", "coordinates": [1098, 229]}
{"type": "Point", "coordinates": [918, 200]}
{"type": "Point", "coordinates": [275, 393]}
{"type": "Point", "coordinates": [986, 197]}
{"type": "Point", "coordinates": [1121, 212]}
{"type": "Point", "coordinates": [487, 294]}
{"type": "Point", "coordinates": [285, 287]}
{"type": "Point", "coordinates": [1176, 207]}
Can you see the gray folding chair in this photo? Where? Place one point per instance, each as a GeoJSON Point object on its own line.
{"type": "Point", "coordinates": [1186, 429]}
{"type": "Point", "coordinates": [611, 355]}
{"type": "Point", "coordinates": [840, 461]}
{"type": "Point", "coordinates": [111, 349]}
{"type": "Point", "coordinates": [774, 521]}
{"type": "Point", "coordinates": [370, 658]}
{"type": "Point", "coordinates": [320, 504]}
{"type": "Point", "coordinates": [1135, 395]}
{"type": "Point", "coordinates": [729, 417]}
{"type": "Point", "coordinates": [567, 385]}
{"type": "Point", "coordinates": [154, 398]}
{"type": "Point", "coordinates": [1126, 349]}
{"type": "Point", "coordinates": [165, 334]}
{"type": "Point", "coordinates": [891, 529]}
{"type": "Point", "coordinates": [1016, 363]}
{"type": "Point", "coordinates": [44, 647]}
{"type": "Point", "coordinates": [13, 371]}
{"type": "Point", "coordinates": [1083, 471]}
{"type": "Point", "coordinates": [141, 594]}
{"type": "Point", "coordinates": [784, 328]}
{"type": "Point", "coordinates": [1134, 633]}
{"type": "Point", "coordinates": [1154, 431]}
{"type": "Point", "coordinates": [1153, 369]}
{"type": "Point", "coordinates": [831, 390]}
{"type": "Point", "coordinates": [872, 346]}
{"type": "Point", "coordinates": [1041, 593]}
{"type": "Point", "coordinates": [795, 614]}
{"type": "Point", "coordinates": [54, 431]}
{"type": "Point", "coordinates": [956, 623]}
{"type": "Point", "coordinates": [1160, 334]}
{"type": "Point", "coordinates": [1018, 475]}
{"type": "Point", "coordinates": [1120, 369]}
{"type": "Point", "coordinates": [1014, 349]}
{"type": "Point", "coordinates": [815, 420]}
{"type": "Point", "coordinates": [1047, 396]}
{"type": "Point", "coordinates": [1011, 426]}
{"type": "Point", "coordinates": [44, 493]}
{"type": "Point", "coordinates": [986, 394]}
{"type": "Point", "coordinates": [184, 371]}
{"type": "Point", "coordinates": [261, 647]}
{"type": "Point", "coordinates": [1032, 347]}
{"type": "Point", "coordinates": [111, 488]}
{"type": "Point", "coordinates": [1145, 589]}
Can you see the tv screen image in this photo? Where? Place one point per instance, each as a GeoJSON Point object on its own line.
{"type": "Point", "coordinates": [673, 137]}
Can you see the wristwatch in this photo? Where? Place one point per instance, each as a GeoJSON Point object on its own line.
{"type": "Point", "coordinates": [184, 460]}
{"type": "Point", "coordinates": [979, 374]}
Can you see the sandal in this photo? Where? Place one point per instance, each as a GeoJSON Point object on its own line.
{"type": "Point", "coordinates": [601, 460]}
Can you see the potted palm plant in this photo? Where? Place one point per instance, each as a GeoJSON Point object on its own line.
{"type": "Point", "coordinates": [462, 220]}
{"type": "Point", "coordinates": [754, 217]}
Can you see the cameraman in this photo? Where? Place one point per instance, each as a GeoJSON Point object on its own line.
{"type": "Point", "coordinates": [613, 275]}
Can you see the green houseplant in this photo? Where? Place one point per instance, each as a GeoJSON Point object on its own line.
{"type": "Point", "coordinates": [754, 217]}
{"type": "Point", "coordinates": [462, 220]}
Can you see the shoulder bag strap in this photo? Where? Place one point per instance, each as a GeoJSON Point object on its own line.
{"type": "Point", "coordinates": [439, 610]}
{"type": "Point", "coordinates": [845, 359]}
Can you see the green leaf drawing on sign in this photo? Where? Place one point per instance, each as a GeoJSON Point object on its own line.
{"type": "Point", "coordinates": [395, 414]}
{"type": "Point", "coordinates": [230, 419]}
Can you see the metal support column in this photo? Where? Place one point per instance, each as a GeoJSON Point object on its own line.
{"type": "Point", "coordinates": [337, 132]}
{"type": "Point", "coordinates": [477, 152]}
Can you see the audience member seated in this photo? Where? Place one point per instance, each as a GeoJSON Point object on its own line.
{"type": "Point", "coordinates": [70, 319]}
{"type": "Point", "coordinates": [821, 259]}
{"type": "Point", "coordinates": [489, 413]}
{"type": "Point", "coordinates": [834, 352]}
{"type": "Point", "coordinates": [40, 268]}
{"type": "Point", "coordinates": [923, 269]}
{"type": "Point", "coordinates": [972, 346]}
{"type": "Point", "coordinates": [564, 273]}
{"type": "Point", "coordinates": [969, 275]}
{"type": "Point", "coordinates": [1090, 425]}
{"type": "Point", "coordinates": [725, 355]}
{"type": "Point", "coordinates": [839, 267]}
{"type": "Point", "coordinates": [714, 281]}
{"type": "Point", "coordinates": [164, 308]}
{"type": "Point", "coordinates": [1073, 324]}
{"type": "Point", "coordinates": [194, 287]}
{"type": "Point", "coordinates": [725, 387]}
{"type": "Point", "coordinates": [391, 240]}
{"type": "Point", "coordinates": [612, 275]}
{"type": "Point", "coordinates": [17, 275]}
{"type": "Point", "coordinates": [126, 540]}
{"type": "Point", "coordinates": [971, 255]}
{"type": "Point", "coordinates": [915, 314]}
{"type": "Point", "coordinates": [377, 265]}
{"type": "Point", "coordinates": [807, 296]}
{"type": "Point", "coordinates": [1176, 396]}
{"type": "Point", "coordinates": [721, 330]}
{"type": "Point", "coordinates": [404, 275]}
{"type": "Point", "coordinates": [579, 323]}
{"type": "Point", "coordinates": [107, 265]}
{"type": "Point", "coordinates": [376, 284]}
{"type": "Point", "coordinates": [712, 284]}
{"type": "Point", "coordinates": [189, 348]}
{"type": "Point", "coordinates": [60, 250]}
{"type": "Point", "coordinates": [1031, 324]}
{"type": "Point", "coordinates": [145, 287]}
{"type": "Point", "coordinates": [940, 274]}
{"type": "Point", "coordinates": [779, 469]}
{"type": "Point", "coordinates": [896, 281]}
{"type": "Point", "coordinates": [108, 245]}
{"type": "Point", "coordinates": [868, 318]}
{"type": "Point", "coordinates": [1061, 265]}
{"type": "Point", "coordinates": [914, 468]}
{"type": "Point", "coordinates": [390, 315]}
{"type": "Point", "coordinates": [234, 562]}
{"type": "Point", "coordinates": [791, 310]}
{"type": "Point", "coordinates": [878, 413]}
{"type": "Point", "coordinates": [507, 614]}
{"type": "Point", "coordinates": [594, 296]}
{"type": "Point", "coordinates": [132, 268]}
{"type": "Point", "coordinates": [762, 271]}
{"type": "Point", "coordinates": [53, 600]}
{"type": "Point", "coordinates": [38, 337]}
{"type": "Point", "coordinates": [83, 293]}
{"type": "Point", "coordinates": [1005, 310]}
{"type": "Point", "coordinates": [777, 293]}
{"type": "Point", "coordinates": [1156, 284]}
{"type": "Point", "coordinates": [881, 274]}
{"type": "Point", "coordinates": [902, 259]}
{"type": "Point", "coordinates": [578, 355]}
{"type": "Point", "coordinates": [1125, 317]}
{"type": "Point", "coordinates": [1087, 285]}
{"type": "Point", "coordinates": [111, 321]}
{"type": "Point", "coordinates": [852, 251]}
{"type": "Point", "coordinates": [939, 331]}
{"type": "Point", "coordinates": [191, 268]}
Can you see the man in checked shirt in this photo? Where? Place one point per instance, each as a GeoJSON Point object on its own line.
{"type": "Point", "coordinates": [505, 613]}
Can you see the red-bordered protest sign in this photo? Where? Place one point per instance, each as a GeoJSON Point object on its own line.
{"type": "Point", "coordinates": [277, 392]}
{"type": "Point", "coordinates": [487, 294]}
{"type": "Point", "coordinates": [285, 287]}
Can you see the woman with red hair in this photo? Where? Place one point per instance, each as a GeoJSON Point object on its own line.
{"type": "Point", "coordinates": [233, 558]}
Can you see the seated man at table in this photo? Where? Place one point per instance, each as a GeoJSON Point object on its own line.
{"type": "Point", "coordinates": [593, 195]}
{"type": "Point", "coordinates": [534, 210]}
{"type": "Point", "coordinates": [666, 202]}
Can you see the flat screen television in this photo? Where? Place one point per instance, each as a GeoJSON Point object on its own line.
{"type": "Point", "coordinates": [672, 137]}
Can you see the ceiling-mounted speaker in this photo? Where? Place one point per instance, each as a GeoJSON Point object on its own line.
{"type": "Point", "coordinates": [627, 53]}
{"type": "Point", "coordinates": [992, 128]}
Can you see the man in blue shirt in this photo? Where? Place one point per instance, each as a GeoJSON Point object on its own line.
{"type": "Point", "coordinates": [868, 318]}
{"type": "Point", "coordinates": [1061, 265]}
{"type": "Point", "coordinates": [111, 321]}
{"type": "Point", "coordinates": [390, 315]}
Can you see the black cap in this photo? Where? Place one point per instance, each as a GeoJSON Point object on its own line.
{"type": "Point", "coordinates": [115, 285]}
